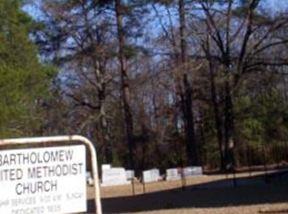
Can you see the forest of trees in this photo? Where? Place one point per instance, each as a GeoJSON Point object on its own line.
{"type": "Point", "coordinates": [154, 83]}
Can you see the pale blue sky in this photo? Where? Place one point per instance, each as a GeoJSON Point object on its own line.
{"type": "Point", "coordinates": [275, 5]}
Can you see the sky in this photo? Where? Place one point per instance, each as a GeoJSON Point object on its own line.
{"type": "Point", "coordinates": [275, 5]}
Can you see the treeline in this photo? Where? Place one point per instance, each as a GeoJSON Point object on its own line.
{"type": "Point", "coordinates": [166, 83]}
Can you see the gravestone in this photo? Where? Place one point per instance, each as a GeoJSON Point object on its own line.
{"type": "Point", "coordinates": [89, 179]}
{"type": "Point", "coordinates": [114, 177]}
{"type": "Point", "coordinates": [151, 175]}
{"type": "Point", "coordinates": [192, 171]}
{"type": "Point", "coordinates": [105, 166]}
{"type": "Point", "coordinates": [172, 174]}
{"type": "Point", "coordinates": [130, 174]}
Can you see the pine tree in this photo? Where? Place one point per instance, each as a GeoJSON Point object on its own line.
{"type": "Point", "coordinates": [23, 80]}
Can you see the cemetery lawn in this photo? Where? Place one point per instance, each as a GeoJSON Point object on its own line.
{"type": "Point", "coordinates": [202, 194]}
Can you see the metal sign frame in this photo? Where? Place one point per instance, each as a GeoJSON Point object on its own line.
{"type": "Point", "coordinates": [69, 138]}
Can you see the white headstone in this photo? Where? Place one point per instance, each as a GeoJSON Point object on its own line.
{"type": "Point", "coordinates": [105, 166]}
{"type": "Point", "coordinates": [130, 174]}
{"type": "Point", "coordinates": [114, 176]}
{"type": "Point", "coordinates": [192, 171]}
{"type": "Point", "coordinates": [89, 178]}
{"type": "Point", "coordinates": [172, 174]}
{"type": "Point", "coordinates": [151, 175]}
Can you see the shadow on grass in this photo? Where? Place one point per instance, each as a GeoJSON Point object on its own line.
{"type": "Point", "coordinates": [249, 191]}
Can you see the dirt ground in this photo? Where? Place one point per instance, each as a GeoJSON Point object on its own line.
{"type": "Point", "coordinates": [254, 193]}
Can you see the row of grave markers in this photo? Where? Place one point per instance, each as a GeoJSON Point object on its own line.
{"type": "Point", "coordinates": [112, 176]}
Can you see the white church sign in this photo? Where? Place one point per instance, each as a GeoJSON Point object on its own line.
{"type": "Point", "coordinates": [43, 180]}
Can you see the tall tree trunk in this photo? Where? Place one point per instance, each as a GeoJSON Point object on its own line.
{"type": "Point", "coordinates": [229, 108]}
{"type": "Point", "coordinates": [101, 87]}
{"type": "Point", "coordinates": [187, 93]}
{"type": "Point", "coordinates": [229, 127]}
{"type": "Point", "coordinates": [125, 84]}
{"type": "Point", "coordinates": [217, 116]}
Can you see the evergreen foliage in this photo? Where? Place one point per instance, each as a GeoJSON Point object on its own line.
{"type": "Point", "coordinates": [23, 80]}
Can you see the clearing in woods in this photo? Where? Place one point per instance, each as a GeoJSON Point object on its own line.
{"type": "Point", "coordinates": [203, 194]}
